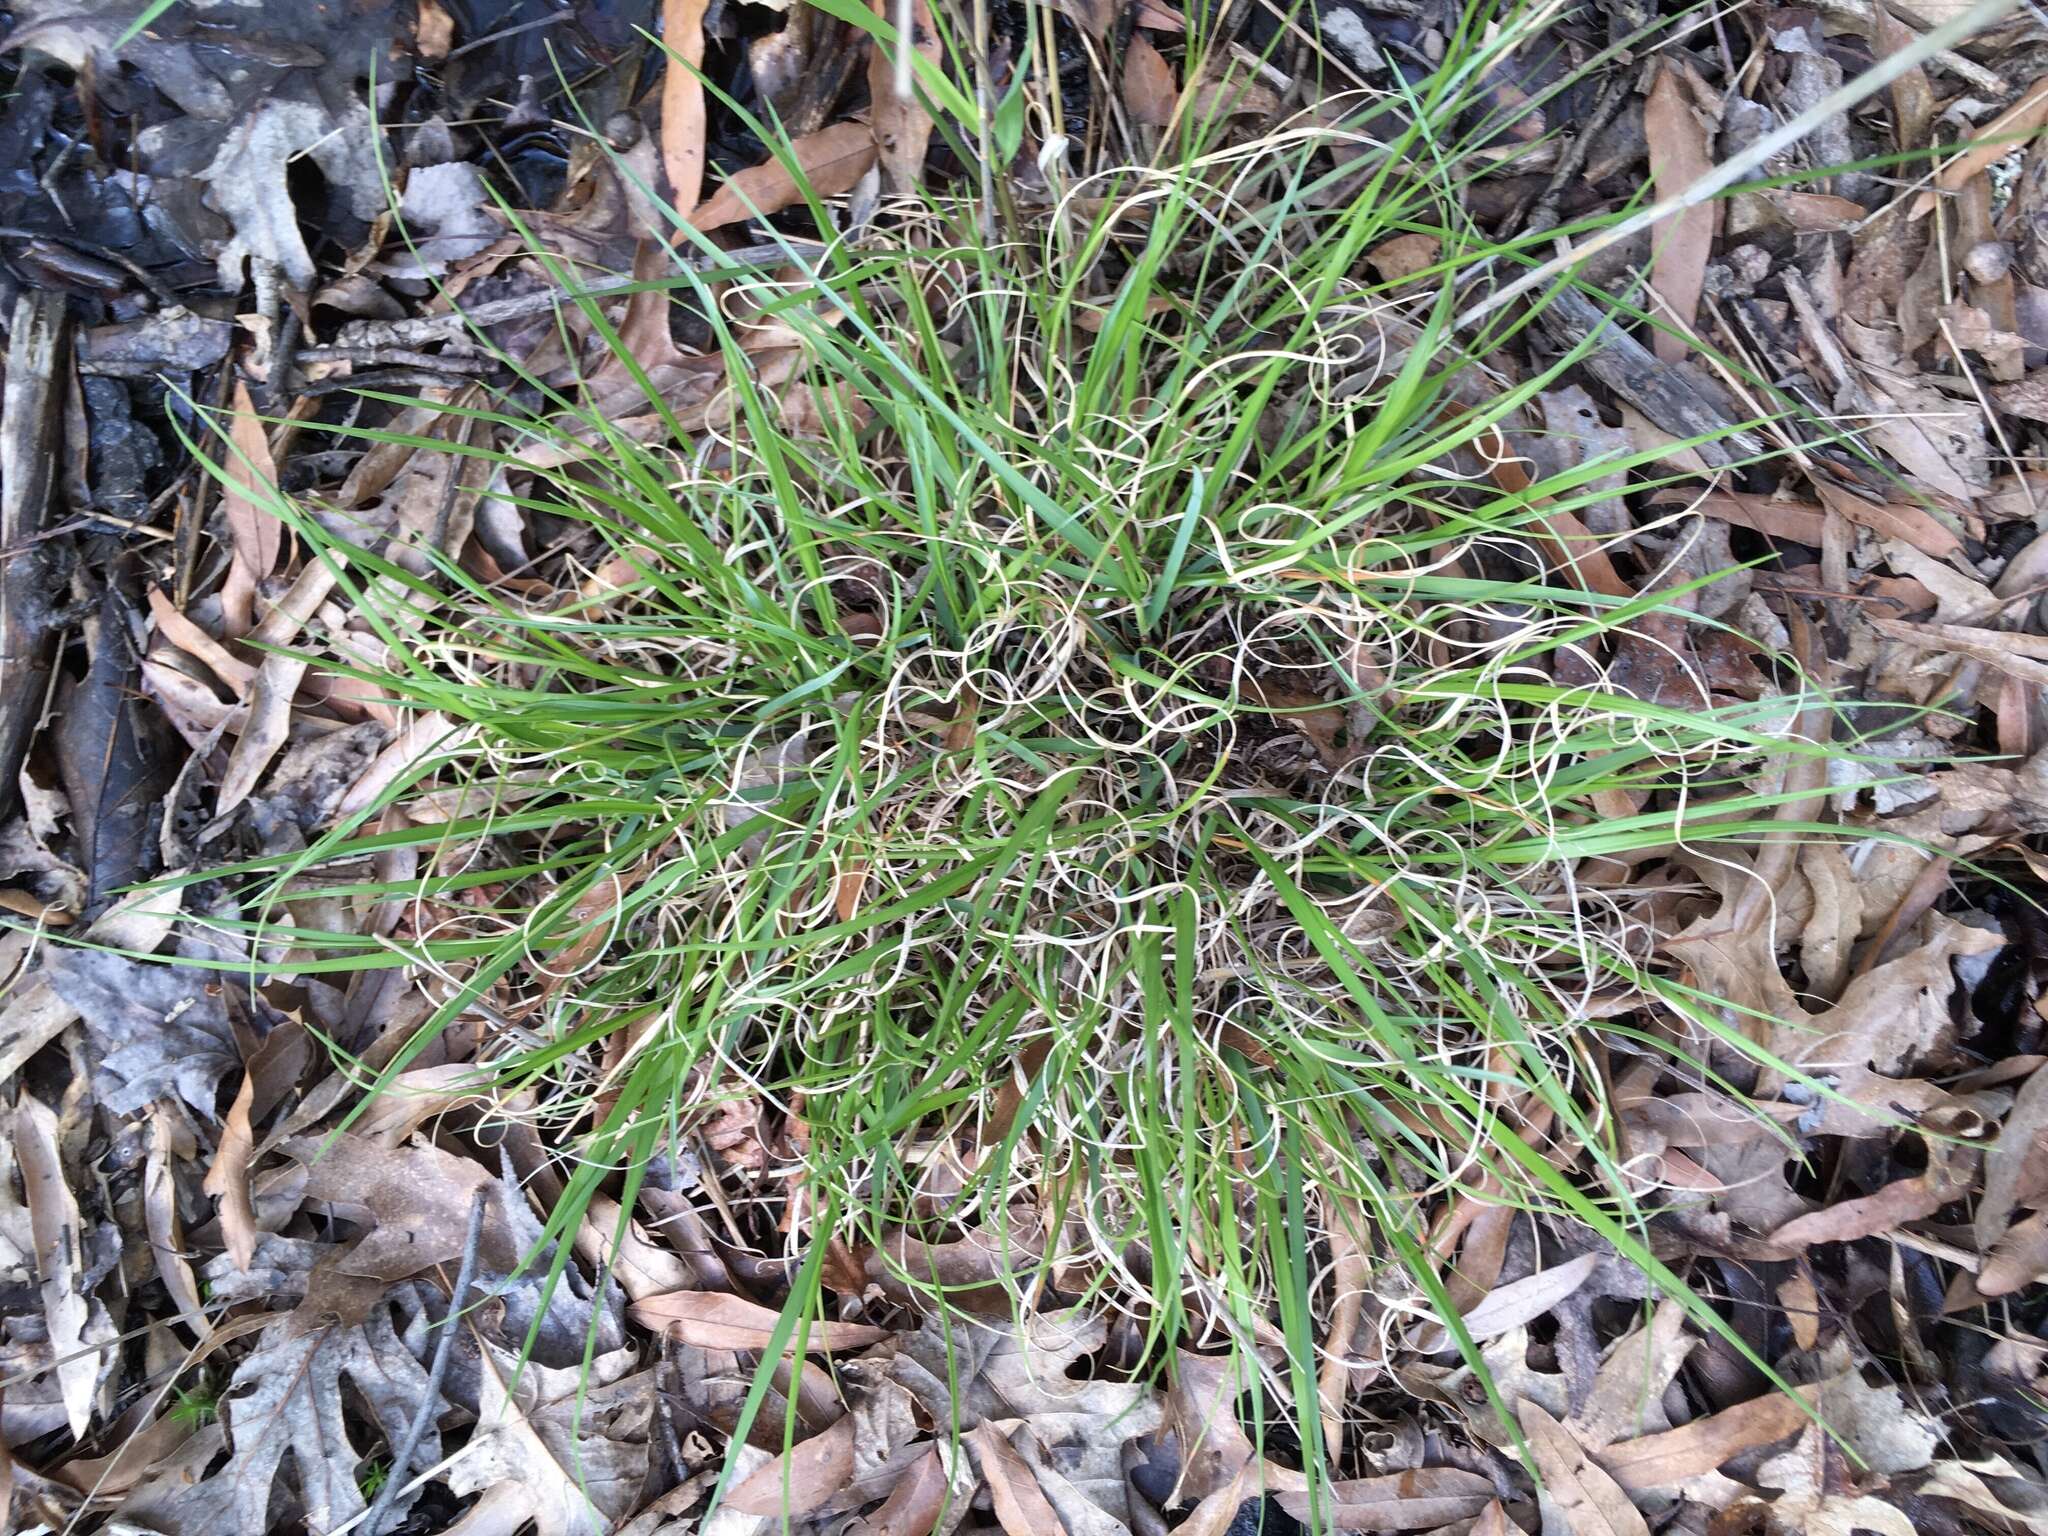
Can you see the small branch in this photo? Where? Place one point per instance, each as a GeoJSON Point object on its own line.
{"type": "Point", "coordinates": [401, 1456]}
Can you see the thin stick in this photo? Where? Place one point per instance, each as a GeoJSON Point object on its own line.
{"type": "Point", "coordinates": [1872, 80]}
{"type": "Point", "coordinates": [401, 1458]}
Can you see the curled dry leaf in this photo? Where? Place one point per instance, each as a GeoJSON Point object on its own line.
{"type": "Point", "coordinates": [228, 1179]}
{"type": "Point", "coordinates": [76, 1325]}
{"type": "Point", "coordinates": [713, 1320]}
{"type": "Point", "coordinates": [160, 1210]}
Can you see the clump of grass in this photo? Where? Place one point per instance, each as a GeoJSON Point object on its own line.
{"type": "Point", "coordinates": [1073, 734]}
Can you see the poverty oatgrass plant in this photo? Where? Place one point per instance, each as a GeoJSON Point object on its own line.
{"type": "Point", "coordinates": [1070, 729]}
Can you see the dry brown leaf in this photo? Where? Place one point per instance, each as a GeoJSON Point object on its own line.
{"type": "Point", "coordinates": [1816, 213]}
{"type": "Point", "coordinates": [1915, 525]}
{"type": "Point", "coordinates": [1150, 93]}
{"type": "Point", "coordinates": [1627, 1397]}
{"type": "Point", "coordinates": [228, 1179]}
{"type": "Point", "coordinates": [265, 729]}
{"type": "Point", "coordinates": [1801, 1302]}
{"type": "Point", "coordinates": [1417, 1500]}
{"type": "Point", "coordinates": [1517, 1303]}
{"type": "Point", "coordinates": [1810, 1501]}
{"type": "Point", "coordinates": [682, 101]}
{"type": "Point", "coordinates": [1591, 1502]}
{"type": "Point", "coordinates": [255, 534]}
{"type": "Point", "coordinates": [1493, 1521]}
{"type": "Point", "coordinates": [2017, 121]}
{"type": "Point", "coordinates": [60, 1266]}
{"type": "Point", "coordinates": [920, 1495]}
{"type": "Point", "coordinates": [268, 721]}
{"type": "Point", "coordinates": [641, 1268]}
{"type": "Point", "coordinates": [832, 160]}
{"type": "Point", "coordinates": [136, 1457]}
{"type": "Point", "coordinates": [1680, 244]}
{"type": "Point", "coordinates": [714, 1320]}
{"type": "Point", "coordinates": [160, 1210]}
{"type": "Point", "coordinates": [902, 127]}
{"type": "Point", "coordinates": [1350, 1279]}
{"type": "Point", "coordinates": [1889, 1016]}
{"type": "Point", "coordinates": [1400, 258]}
{"type": "Point", "coordinates": [802, 1477]}
{"type": "Point", "coordinates": [565, 1449]}
{"type": "Point", "coordinates": [1095, 17]}
{"type": "Point", "coordinates": [2013, 1500]}
{"type": "Point", "coordinates": [415, 1200]}
{"type": "Point", "coordinates": [1668, 1461]}
{"type": "Point", "coordinates": [2013, 1163]}
{"type": "Point", "coordinates": [1021, 1506]}
{"type": "Point", "coordinates": [194, 641]}
{"type": "Point", "coordinates": [1901, 1201]}
{"type": "Point", "coordinates": [1789, 520]}
{"type": "Point", "coordinates": [2019, 1258]}
{"type": "Point", "coordinates": [435, 32]}
{"type": "Point", "coordinates": [1201, 1405]}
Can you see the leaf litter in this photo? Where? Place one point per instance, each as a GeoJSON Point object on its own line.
{"type": "Point", "coordinates": [210, 1261]}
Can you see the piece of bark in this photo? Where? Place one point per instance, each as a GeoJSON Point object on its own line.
{"type": "Point", "coordinates": [1661, 391]}
{"type": "Point", "coordinates": [37, 363]}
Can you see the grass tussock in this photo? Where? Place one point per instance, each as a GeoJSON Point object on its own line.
{"type": "Point", "coordinates": [1071, 741]}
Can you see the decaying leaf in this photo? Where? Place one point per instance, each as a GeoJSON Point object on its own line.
{"type": "Point", "coordinates": [901, 125]}
{"type": "Point", "coordinates": [1420, 1500]}
{"type": "Point", "coordinates": [682, 101]}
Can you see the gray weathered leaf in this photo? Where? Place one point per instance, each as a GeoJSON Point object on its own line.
{"type": "Point", "coordinates": [288, 1396]}
{"type": "Point", "coordinates": [161, 1028]}
{"type": "Point", "coordinates": [570, 1459]}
